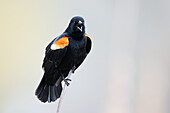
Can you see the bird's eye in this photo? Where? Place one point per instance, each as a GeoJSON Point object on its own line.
{"type": "Point", "coordinates": [76, 22]}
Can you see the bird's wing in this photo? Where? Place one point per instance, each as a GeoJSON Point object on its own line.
{"type": "Point", "coordinates": [88, 48]}
{"type": "Point", "coordinates": [55, 51]}
{"type": "Point", "coordinates": [48, 90]}
{"type": "Point", "coordinates": [89, 43]}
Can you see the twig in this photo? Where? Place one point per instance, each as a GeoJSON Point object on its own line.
{"type": "Point", "coordinates": [63, 93]}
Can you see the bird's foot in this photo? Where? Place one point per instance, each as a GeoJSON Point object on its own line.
{"type": "Point", "coordinates": [66, 81]}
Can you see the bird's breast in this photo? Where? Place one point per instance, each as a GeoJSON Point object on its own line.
{"type": "Point", "coordinates": [76, 53]}
{"type": "Point", "coordinates": [77, 49]}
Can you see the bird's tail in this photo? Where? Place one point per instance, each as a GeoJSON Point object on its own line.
{"type": "Point", "coordinates": [46, 92]}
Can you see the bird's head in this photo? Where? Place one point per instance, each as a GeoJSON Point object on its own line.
{"type": "Point", "coordinates": [76, 26]}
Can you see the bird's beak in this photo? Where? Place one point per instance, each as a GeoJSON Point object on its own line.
{"type": "Point", "coordinates": [79, 26]}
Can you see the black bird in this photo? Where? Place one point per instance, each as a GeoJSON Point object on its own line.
{"type": "Point", "coordinates": [64, 54]}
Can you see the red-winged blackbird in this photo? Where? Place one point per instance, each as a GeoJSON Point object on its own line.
{"type": "Point", "coordinates": [64, 54]}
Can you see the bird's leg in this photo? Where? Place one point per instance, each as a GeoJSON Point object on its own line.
{"type": "Point", "coordinates": [73, 69]}
{"type": "Point", "coordinates": [55, 64]}
{"type": "Point", "coordinates": [65, 80]}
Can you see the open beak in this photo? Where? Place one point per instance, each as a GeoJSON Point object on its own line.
{"type": "Point", "coordinates": [80, 26]}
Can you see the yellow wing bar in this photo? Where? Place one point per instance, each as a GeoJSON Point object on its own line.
{"type": "Point", "coordinates": [61, 43]}
{"type": "Point", "coordinates": [88, 36]}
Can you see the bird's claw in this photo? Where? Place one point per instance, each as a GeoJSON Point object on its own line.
{"type": "Point", "coordinates": [66, 81]}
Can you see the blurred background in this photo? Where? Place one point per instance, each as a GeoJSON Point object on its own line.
{"type": "Point", "coordinates": [127, 71]}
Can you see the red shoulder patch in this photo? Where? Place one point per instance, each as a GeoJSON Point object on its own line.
{"type": "Point", "coordinates": [88, 36]}
{"type": "Point", "coordinates": [61, 43]}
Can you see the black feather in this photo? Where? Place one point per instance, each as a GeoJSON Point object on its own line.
{"type": "Point", "coordinates": [58, 62]}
